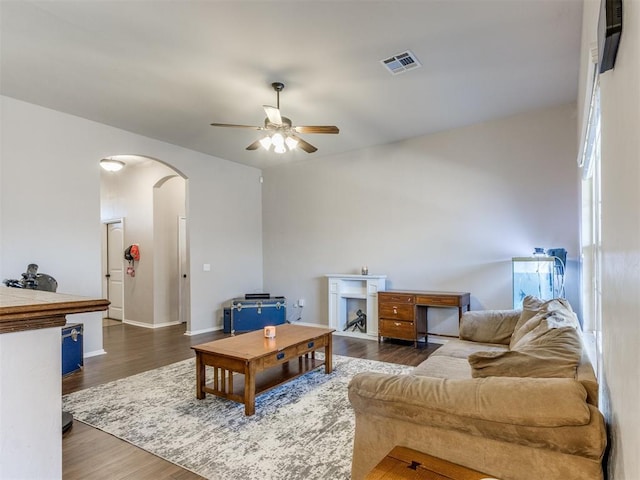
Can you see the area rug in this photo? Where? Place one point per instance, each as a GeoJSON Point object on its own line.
{"type": "Point", "coordinates": [301, 430]}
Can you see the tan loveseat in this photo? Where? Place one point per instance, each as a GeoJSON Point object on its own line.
{"type": "Point", "coordinates": [514, 397]}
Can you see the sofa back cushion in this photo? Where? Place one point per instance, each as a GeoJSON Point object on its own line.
{"type": "Point", "coordinates": [489, 326]}
{"type": "Point", "coordinates": [540, 324]}
{"type": "Point", "coordinates": [556, 354]}
{"type": "Point", "coordinates": [547, 345]}
{"type": "Point", "coordinates": [534, 311]}
{"type": "Point", "coordinates": [530, 306]}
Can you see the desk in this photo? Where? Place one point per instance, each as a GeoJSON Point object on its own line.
{"type": "Point", "coordinates": [403, 313]}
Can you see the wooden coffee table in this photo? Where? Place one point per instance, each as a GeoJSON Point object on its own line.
{"type": "Point", "coordinates": [265, 363]}
{"type": "Point", "coordinates": [403, 463]}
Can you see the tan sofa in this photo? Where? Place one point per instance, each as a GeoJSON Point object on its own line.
{"type": "Point", "coordinates": [514, 397]}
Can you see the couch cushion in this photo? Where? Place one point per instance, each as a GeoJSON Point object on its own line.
{"type": "Point", "coordinates": [532, 402]}
{"type": "Point", "coordinates": [541, 323]}
{"type": "Point", "coordinates": [450, 360]}
{"type": "Point", "coordinates": [550, 350]}
{"type": "Point", "coordinates": [542, 414]}
{"type": "Point", "coordinates": [462, 349]}
{"type": "Point", "coordinates": [489, 326]}
{"type": "Point", "coordinates": [533, 312]}
{"type": "Point", "coordinates": [530, 306]}
{"type": "Point", "coordinates": [444, 367]}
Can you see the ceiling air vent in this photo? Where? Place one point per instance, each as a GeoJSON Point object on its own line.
{"type": "Point", "coordinates": [401, 62]}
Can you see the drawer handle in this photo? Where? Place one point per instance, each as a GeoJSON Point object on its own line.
{"type": "Point", "coordinates": [397, 324]}
{"type": "Point", "coordinates": [279, 355]}
{"type": "Point", "coordinates": [395, 310]}
{"type": "Point", "coordinates": [310, 344]}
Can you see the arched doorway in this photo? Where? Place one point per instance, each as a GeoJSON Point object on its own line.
{"type": "Point", "coordinates": [148, 198]}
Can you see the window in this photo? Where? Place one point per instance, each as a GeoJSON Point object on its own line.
{"type": "Point", "coordinates": [591, 233]}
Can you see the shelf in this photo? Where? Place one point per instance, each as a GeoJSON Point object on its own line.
{"type": "Point", "coordinates": [355, 277]}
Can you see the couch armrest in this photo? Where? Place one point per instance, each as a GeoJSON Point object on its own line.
{"type": "Point", "coordinates": [533, 402]}
{"type": "Point", "coordinates": [489, 326]}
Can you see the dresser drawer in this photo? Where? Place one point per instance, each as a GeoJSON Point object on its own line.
{"type": "Point", "coordinates": [396, 311]}
{"type": "Point", "coordinates": [437, 300]}
{"type": "Point", "coordinates": [397, 329]}
{"type": "Point", "coordinates": [389, 297]}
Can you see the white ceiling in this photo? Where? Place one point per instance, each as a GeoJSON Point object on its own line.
{"type": "Point", "coordinates": [167, 69]}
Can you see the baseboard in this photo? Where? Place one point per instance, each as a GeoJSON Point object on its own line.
{"type": "Point", "coordinates": [206, 330]}
{"type": "Point", "coordinates": [438, 339]}
{"type": "Point", "coordinates": [308, 324]}
{"type": "Point", "coordinates": [148, 325]}
{"type": "Point", "coordinates": [363, 336]}
{"type": "Point", "coordinates": [95, 353]}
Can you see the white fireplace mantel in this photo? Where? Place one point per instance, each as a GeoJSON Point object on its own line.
{"type": "Point", "coordinates": [348, 293]}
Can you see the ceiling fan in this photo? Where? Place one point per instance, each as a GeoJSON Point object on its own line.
{"type": "Point", "coordinates": [280, 133]}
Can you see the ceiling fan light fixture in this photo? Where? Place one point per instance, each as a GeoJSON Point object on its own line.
{"type": "Point", "coordinates": [111, 165]}
{"type": "Point", "coordinates": [291, 142]}
{"type": "Point", "coordinates": [277, 139]}
{"type": "Point", "coordinates": [279, 132]}
{"type": "Point", "coordinates": [266, 142]}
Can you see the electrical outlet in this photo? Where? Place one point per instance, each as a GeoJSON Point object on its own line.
{"type": "Point", "coordinates": [301, 302]}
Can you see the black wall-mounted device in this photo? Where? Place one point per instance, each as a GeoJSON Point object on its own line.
{"type": "Point", "coordinates": [609, 32]}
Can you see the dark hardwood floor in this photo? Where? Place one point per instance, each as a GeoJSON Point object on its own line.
{"type": "Point", "coordinates": [90, 453]}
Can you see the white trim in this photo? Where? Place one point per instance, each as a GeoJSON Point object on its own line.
{"type": "Point", "coordinates": [353, 276]}
{"type": "Point", "coordinates": [365, 336]}
{"type": "Point", "coordinates": [148, 325]}
{"type": "Point", "coordinates": [591, 134]}
{"type": "Point", "coordinates": [431, 338]}
{"type": "Point", "coordinates": [95, 353]}
{"type": "Point", "coordinates": [308, 324]}
{"type": "Point", "coordinates": [104, 260]}
{"type": "Point", "coordinates": [189, 333]}
{"type": "Point", "coordinates": [587, 114]}
{"type": "Point", "coordinates": [589, 342]}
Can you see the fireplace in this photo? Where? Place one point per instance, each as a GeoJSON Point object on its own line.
{"type": "Point", "coordinates": [353, 304]}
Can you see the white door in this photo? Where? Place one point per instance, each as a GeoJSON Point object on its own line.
{"type": "Point", "coordinates": [115, 270]}
{"type": "Point", "coordinates": [183, 270]}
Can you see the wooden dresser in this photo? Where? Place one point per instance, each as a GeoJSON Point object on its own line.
{"type": "Point", "coordinates": [403, 313]}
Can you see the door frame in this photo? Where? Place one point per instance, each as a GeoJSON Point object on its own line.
{"type": "Point", "coordinates": [184, 277]}
{"type": "Point", "coordinates": [105, 266]}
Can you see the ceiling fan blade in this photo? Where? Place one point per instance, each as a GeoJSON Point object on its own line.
{"type": "Point", "coordinates": [254, 145]}
{"type": "Point", "coordinates": [273, 114]}
{"type": "Point", "coordinates": [235, 126]}
{"type": "Point", "coordinates": [317, 129]}
{"type": "Point", "coordinates": [306, 146]}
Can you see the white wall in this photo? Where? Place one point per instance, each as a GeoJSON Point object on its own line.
{"type": "Point", "coordinates": [50, 203]}
{"type": "Point", "coordinates": [31, 405]}
{"type": "Point", "coordinates": [620, 381]}
{"type": "Point", "coordinates": [441, 212]}
{"type": "Point", "coordinates": [168, 206]}
{"type": "Point", "coordinates": [50, 197]}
